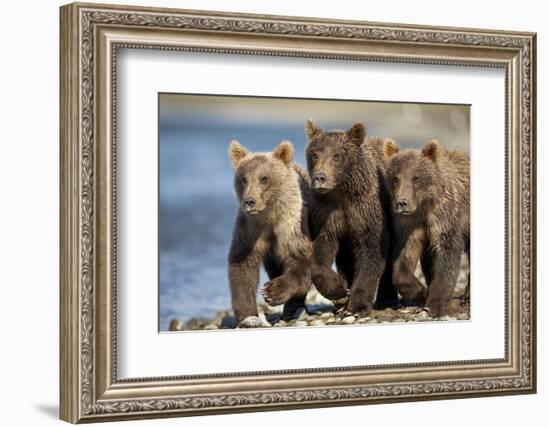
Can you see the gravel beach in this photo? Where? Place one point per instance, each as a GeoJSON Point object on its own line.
{"type": "Point", "coordinates": [321, 312]}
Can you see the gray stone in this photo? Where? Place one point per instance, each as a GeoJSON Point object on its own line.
{"type": "Point", "coordinates": [349, 320]}
{"type": "Point", "coordinates": [263, 320]}
{"type": "Point", "coordinates": [176, 325]}
{"type": "Point", "coordinates": [463, 316]}
{"type": "Point", "coordinates": [251, 322]}
{"type": "Point", "coordinates": [229, 322]}
{"type": "Point", "coordinates": [327, 315]}
{"type": "Point", "coordinates": [421, 316]}
{"type": "Point", "coordinates": [300, 323]}
{"type": "Point", "coordinates": [317, 322]}
{"type": "Point", "coordinates": [210, 327]}
{"type": "Point", "coordinates": [303, 315]}
{"type": "Point", "coordinates": [197, 323]}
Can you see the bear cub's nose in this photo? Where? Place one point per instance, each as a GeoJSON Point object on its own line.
{"type": "Point", "coordinates": [249, 202]}
{"type": "Point", "coordinates": [402, 204]}
{"type": "Point", "coordinates": [319, 179]}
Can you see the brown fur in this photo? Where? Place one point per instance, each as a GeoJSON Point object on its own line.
{"type": "Point", "coordinates": [430, 192]}
{"type": "Point", "coordinates": [271, 227]}
{"type": "Point", "coordinates": [349, 217]}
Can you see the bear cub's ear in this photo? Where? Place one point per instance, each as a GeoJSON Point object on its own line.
{"type": "Point", "coordinates": [312, 129]}
{"type": "Point", "coordinates": [236, 152]}
{"type": "Point", "coordinates": [357, 133]}
{"type": "Point", "coordinates": [284, 152]}
{"type": "Point", "coordinates": [390, 148]}
{"type": "Point", "coordinates": [432, 150]}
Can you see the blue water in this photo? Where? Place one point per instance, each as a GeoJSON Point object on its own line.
{"type": "Point", "coordinates": [197, 211]}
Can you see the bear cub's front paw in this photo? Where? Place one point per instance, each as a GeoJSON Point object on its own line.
{"type": "Point", "coordinates": [331, 285]}
{"type": "Point", "coordinates": [277, 291]}
{"type": "Point", "coordinates": [357, 310]}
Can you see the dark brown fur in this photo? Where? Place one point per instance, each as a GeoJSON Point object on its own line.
{"type": "Point", "coordinates": [349, 218]}
{"type": "Point", "coordinates": [430, 192]}
{"type": "Point", "coordinates": [271, 227]}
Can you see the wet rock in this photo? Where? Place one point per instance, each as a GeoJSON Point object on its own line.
{"type": "Point", "coordinates": [348, 320]}
{"type": "Point", "coordinates": [263, 320]}
{"type": "Point", "coordinates": [176, 325]}
{"type": "Point", "coordinates": [228, 322]}
{"type": "Point", "coordinates": [327, 315]}
{"type": "Point", "coordinates": [421, 316]}
{"type": "Point", "coordinates": [197, 323]}
{"type": "Point", "coordinates": [210, 327]}
{"type": "Point", "coordinates": [302, 314]}
{"type": "Point", "coordinates": [317, 322]}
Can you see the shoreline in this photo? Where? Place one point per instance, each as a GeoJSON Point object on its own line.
{"type": "Point", "coordinates": [320, 312]}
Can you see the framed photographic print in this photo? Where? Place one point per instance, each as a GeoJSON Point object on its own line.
{"type": "Point", "coordinates": [267, 212]}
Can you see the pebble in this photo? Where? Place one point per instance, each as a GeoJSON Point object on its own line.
{"type": "Point", "coordinates": [349, 320]}
{"type": "Point", "coordinates": [421, 316]}
{"type": "Point", "coordinates": [303, 315]}
{"type": "Point", "coordinates": [321, 313]}
{"type": "Point", "coordinates": [251, 322]}
{"type": "Point", "coordinates": [229, 322]}
{"type": "Point", "coordinates": [197, 323]}
{"type": "Point", "coordinates": [317, 322]}
{"type": "Point", "coordinates": [210, 327]}
{"type": "Point", "coordinates": [263, 320]}
{"type": "Point", "coordinates": [176, 325]}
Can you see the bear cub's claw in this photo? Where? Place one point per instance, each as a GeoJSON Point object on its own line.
{"type": "Point", "coordinates": [358, 313]}
{"type": "Point", "coordinates": [277, 291]}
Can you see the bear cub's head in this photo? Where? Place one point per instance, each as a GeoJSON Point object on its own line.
{"type": "Point", "coordinates": [262, 178]}
{"type": "Point", "coordinates": [331, 155]}
{"type": "Point", "coordinates": [412, 176]}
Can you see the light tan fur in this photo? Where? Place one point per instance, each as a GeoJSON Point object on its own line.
{"type": "Point", "coordinates": [270, 227]}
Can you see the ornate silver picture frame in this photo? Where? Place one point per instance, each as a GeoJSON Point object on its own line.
{"type": "Point", "coordinates": [91, 36]}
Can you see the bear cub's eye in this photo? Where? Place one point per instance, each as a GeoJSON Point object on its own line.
{"type": "Point", "coordinates": [395, 181]}
{"type": "Point", "coordinates": [415, 179]}
{"type": "Point", "coordinates": [263, 179]}
{"type": "Point", "coordinates": [243, 180]}
{"type": "Point", "coordinates": [314, 157]}
{"type": "Point", "coordinates": [336, 157]}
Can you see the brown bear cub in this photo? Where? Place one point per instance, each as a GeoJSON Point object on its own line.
{"type": "Point", "coordinates": [349, 218]}
{"type": "Point", "coordinates": [271, 227]}
{"type": "Point", "coordinates": [430, 192]}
